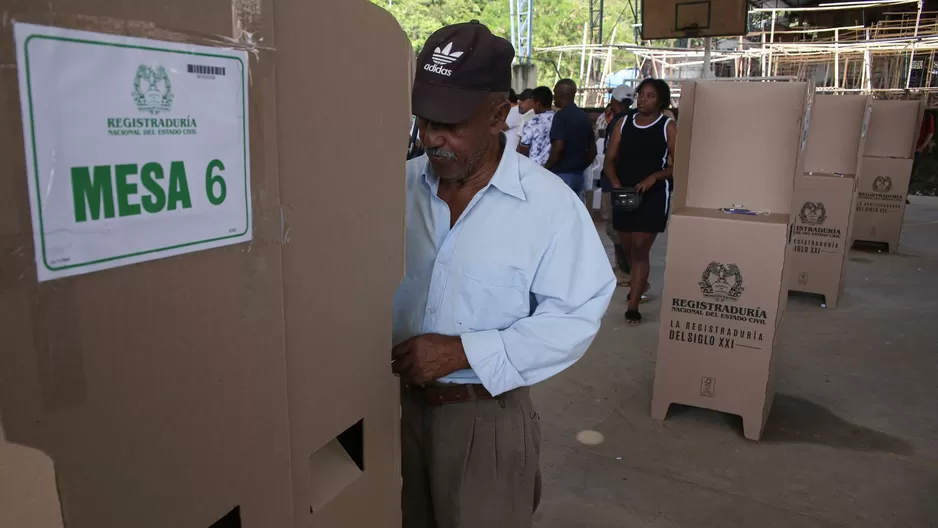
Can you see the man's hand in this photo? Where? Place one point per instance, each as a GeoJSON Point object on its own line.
{"type": "Point", "coordinates": [646, 184]}
{"type": "Point", "coordinates": [427, 357]}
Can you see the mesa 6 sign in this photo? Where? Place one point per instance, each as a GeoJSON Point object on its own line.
{"type": "Point", "coordinates": [136, 149]}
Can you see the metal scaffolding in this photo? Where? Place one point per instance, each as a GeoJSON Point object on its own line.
{"type": "Point", "coordinates": [892, 58]}
{"type": "Point", "coordinates": [522, 16]}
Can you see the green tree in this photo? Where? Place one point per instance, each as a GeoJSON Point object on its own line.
{"type": "Point", "coordinates": [556, 23]}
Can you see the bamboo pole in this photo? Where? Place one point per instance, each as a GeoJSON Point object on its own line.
{"type": "Point", "coordinates": [762, 65]}
{"type": "Point", "coordinates": [772, 38]}
{"type": "Point", "coordinates": [589, 78]}
{"type": "Point", "coordinates": [836, 57]}
{"type": "Point", "coordinates": [867, 73]}
{"type": "Point", "coordinates": [559, 67]}
{"type": "Point", "coordinates": [607, 68]}
{"type": "Point", "coordinates": [918, 19]}
{"type": "Point", "coordinates": [583, 53]}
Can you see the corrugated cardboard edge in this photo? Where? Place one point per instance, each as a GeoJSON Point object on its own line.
{"type": "Point", "coordinates": [28, 494]}
{"type": "Point", "coordinates": [784, 278]}
{"type": "Point", "coordinates": [327, 394]}
{"type": "Point", "coordinates": [685, 130]}
{"type": "Point", "coordinates": [799, 170]}
{"type": "Point", "coordinates": [922, 108]}
{"type": "Point", "coordinates": [848, 239]}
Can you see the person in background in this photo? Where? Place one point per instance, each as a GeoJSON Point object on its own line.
{"type": "Point", "coordinates": [925, 135]}
{"type": "Point", "coordinates": [506, 284]}
{"type": "Point", "coordinates": [535, 138]}
{"type": "Point", "coordinates": [602, 121]}
{"type": "Point", "coordinates": [526, 105]}
{"type": "Point", "coordinates": [572, 141]}
{"type": "Point", "coordinates": [414, 149]}
{"type": "Point", "coordinates": [619, 105]}
{"type": "Point", "coordinates": [517, 116]}
{"type": "Point", "coordinates": [639, 156]}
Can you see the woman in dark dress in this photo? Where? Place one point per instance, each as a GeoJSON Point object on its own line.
{"type": "Point", "coordinates": [639, 157]}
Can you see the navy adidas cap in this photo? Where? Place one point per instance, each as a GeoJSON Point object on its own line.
{"type": "Point", "coordinates": [459, 66]}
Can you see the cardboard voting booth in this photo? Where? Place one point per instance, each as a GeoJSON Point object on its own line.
{"type": "Point", "coordinates": [724, 291]}
{"type": "Point", "coordinates": [886, 171]}
{"type": "Point", "coordinates": [825, 195]}
{"type": "Point", "coordinates": [184, 336]}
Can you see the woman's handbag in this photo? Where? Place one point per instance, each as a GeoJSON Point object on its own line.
{"type": "Point", "coordinates": [627, 199]}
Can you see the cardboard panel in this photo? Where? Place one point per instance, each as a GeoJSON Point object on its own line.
{"type": "Point", "coordinates": [28, 496]}
{"type": "Point", "coordinates": [820, 238]}
{"type": "Point", "coordinates": [720, 309]}
{"type": "Point", "coordinates": [161, 391]}
{"type": "Point", "coordinates": [156, 389]}
{"type": "Point", "coordinates": [894, 128]}
{"type": "Point", "coordinates": [726, 163]}
{"type": "Point", "coordinates": [883, 186]}
{"type": "Point", "coordinates": [342, 269]}
{"type": "Point", "coordinates": [668, 19]}
{"type": "Point", "coordinates": [838, 124]}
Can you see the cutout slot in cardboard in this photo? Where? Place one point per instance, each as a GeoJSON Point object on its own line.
{"type": "Point", "coordinates": [231, 519]}
{"type": "Point", "coordinates": [336, 465]}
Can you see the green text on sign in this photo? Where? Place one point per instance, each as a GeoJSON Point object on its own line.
{"type": "Point", "coordinates": [96, 190]}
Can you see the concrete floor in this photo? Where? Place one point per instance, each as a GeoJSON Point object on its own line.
{"type": "Point", "coordinates": [852, 439]}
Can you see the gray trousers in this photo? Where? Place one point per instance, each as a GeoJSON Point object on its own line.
{"type": "Point", "coordinates": [472, 464]}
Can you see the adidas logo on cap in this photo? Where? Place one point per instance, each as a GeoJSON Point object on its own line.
{"type": "Point", "coordinates": [443, 57]}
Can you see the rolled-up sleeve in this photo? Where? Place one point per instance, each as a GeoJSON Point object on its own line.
{"type": "Point", "coordinates": [572, 286]}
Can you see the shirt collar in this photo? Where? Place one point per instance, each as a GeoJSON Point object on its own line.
{"type": "Point", "coordinates": [507, 177]}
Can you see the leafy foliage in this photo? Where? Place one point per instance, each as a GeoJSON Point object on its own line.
{"type": "Point", "coordinates": [556, 23]}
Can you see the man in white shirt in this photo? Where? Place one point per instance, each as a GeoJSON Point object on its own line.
{"type": "Point", "coordinates": [535, 136]}
{"type": "Point", "coordinates": [506, 284]}
{"type": "Point", "coordinates": [519, 114]}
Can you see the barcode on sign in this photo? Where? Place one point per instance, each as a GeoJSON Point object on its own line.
{"type": "Point", "coordinates": [206, 70]}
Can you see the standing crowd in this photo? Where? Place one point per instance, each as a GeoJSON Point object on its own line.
{"type": "Point", "coordinates": [638, 144]}
{"type": "Point", "coordinates": [507, 280]}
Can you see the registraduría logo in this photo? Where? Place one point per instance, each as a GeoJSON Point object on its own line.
{"type": "Point", "coordinates": [813, 213]}
{"type": "Point", "coordinates": [153, 91]}
{"type": "Point", "coordinates": [723, 282]}
{"type": "Point", "coordinates": [882, 184]}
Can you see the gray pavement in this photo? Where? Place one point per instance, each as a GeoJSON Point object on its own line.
{"type": "Point", "coordinates": [852, 439]}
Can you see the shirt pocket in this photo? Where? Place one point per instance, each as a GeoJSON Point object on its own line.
{"type": "Point", "coordinates": [491, 297]}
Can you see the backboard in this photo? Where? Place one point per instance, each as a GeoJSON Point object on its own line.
{"type": "Point", "coordinates": [670, 19]}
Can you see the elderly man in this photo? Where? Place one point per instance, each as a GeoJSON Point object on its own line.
{"type": "Point", "coordinates": [506, 284]}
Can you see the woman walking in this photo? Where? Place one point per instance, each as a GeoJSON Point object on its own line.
{"type": "Point", "coordinates": [639, 159]}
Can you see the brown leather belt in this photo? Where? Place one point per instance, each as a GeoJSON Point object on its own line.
{"type": "Point", "coordinates": [443, 394]}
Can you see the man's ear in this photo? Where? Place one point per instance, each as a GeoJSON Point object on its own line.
{"type": "Point", "coordinates": [499, 115]}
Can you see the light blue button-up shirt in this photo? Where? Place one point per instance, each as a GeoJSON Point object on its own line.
{"type": "Point", "coordinates": [522, 276]}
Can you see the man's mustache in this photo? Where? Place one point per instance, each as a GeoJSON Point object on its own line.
{"type": "Point", "coordinates": [441, 153]}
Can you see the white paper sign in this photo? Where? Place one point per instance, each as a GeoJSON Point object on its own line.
{"type": "Point", "coordinates": [136, 149]}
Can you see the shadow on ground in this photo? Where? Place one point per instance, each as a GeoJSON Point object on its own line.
{"type": "Point", "coordinates": [796, 419]}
